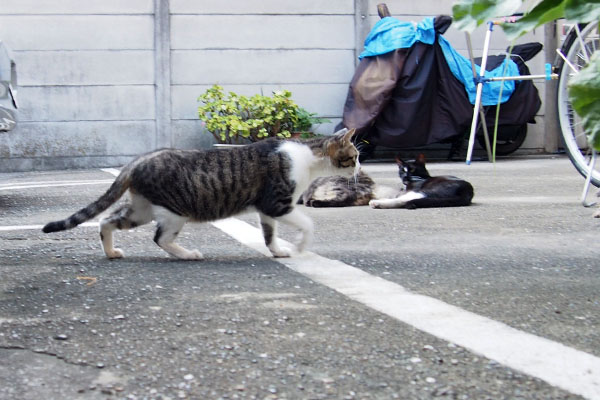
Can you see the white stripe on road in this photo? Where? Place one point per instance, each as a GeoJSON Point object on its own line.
{"type": "Point", "coordinates": [112, 171]}
{"type": "Point", "coordinates": [555, 363]}
{"type": "Point", "coordinates": [50, 183]}
{"type": "Point", "coordinates": [54, 184]}
{"type": "Point", "coordinates": [39, 227]}
{"type": "Point", "coordinates": [43, 184]}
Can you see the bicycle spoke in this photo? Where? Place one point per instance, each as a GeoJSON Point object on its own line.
{"type": "Point", "coordinates": [578, 47]}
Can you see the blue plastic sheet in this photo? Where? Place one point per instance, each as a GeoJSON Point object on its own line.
{"type": "Point", "coordinates": [462, 70]}
{"type": "Point", "coordinates": [390, 34]}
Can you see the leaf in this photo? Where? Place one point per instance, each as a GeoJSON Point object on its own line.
{"type": "Point", "coordinates": [542, 13]}
{"type": "Point", "coordinates": [584, 93]}
{"type": "Point", "coordinates": [582, 10]}
{"type": "Point", "coordinates": [469, 14]}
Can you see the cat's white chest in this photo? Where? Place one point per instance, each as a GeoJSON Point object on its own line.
{"type": "Point", "coordinates": [302, 163]}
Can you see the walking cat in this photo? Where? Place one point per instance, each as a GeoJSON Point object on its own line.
{"type": "Point", "coordinates": [337, 191]}
{"type": "Point", "coordinates": [173, 187]}
{"type": "Point", "coordinates": [423, 190]}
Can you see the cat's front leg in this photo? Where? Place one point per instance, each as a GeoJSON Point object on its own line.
{"type": "Point", "coordinates": [402, 201]}
{"type": "Point", "coordinates": [386, 203]}
{"type": "Point", "coordinates": [298, 220]}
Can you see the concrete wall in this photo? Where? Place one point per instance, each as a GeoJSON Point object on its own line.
{"type": "Point", "coordinates": [102, 81]}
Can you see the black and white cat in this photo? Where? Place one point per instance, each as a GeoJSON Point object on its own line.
{"type": "Point", "coordinates": [423, 190]}
{"type": "Point", "coordinates": [173, 187]}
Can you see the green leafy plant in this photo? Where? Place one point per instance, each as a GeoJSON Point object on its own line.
{"type": "Point", "coordinates": [584, 89]}
{"type": "Point", "coordinates": [230, 117]}
{"type": "Point", "coordinates": [306, 120]}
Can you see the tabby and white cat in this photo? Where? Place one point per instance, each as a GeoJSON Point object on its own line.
{"type": "Point", "coordinates": [173, 187]}
{"type": "Point", "coordinates": [424, 190]}
{"type": "Point", "coordinates": [337, 191]}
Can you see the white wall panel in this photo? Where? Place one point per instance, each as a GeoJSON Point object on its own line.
{"type": "Point", "coordinates": [190, 134]}
{"type": "Point", "coordinates": [261, 32]}
{"type": "Point", "coordinates": [75, 32]}
{"type": "Point", "coordinates": [95, 67]}
{"type": "Point", "coordinates": [262, 7]}
{"type": "Point", "coordinates": [80, 103]}
{"type": "Point", "coordinates": [95, 138]}
{"type": "Point", "coordinates": [76, 7]}
{"type": "Point", "coordinates": [424, 7]}
{"type": "Point", "coordinates": [262, 66]}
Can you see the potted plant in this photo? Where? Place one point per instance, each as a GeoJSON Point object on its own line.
{"type": "Point", "coordinates": [234, 119]}
{"type": "Point", "coordinates": [306, 120]}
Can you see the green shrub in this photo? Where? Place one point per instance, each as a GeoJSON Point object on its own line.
{"type": "Point", "coordinates": [232, 117]}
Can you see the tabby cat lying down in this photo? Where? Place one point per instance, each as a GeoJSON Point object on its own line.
{"type": "Point", "coordinates": [173, 187]}
{"type": "Point", "coordinates": [337, 191]}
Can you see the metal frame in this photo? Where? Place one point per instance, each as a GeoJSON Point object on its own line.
{"type": "Point", "coordinates": [480, 80]}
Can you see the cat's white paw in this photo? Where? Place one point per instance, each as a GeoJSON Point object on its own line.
{"type": "Point", "coordinates": [115, 253]}
{"type": "Point", "coordinates": [303, 242]}
{"type": "Point", "coordinates": [193, 255]}
{"type": "Point", "coordinates": [281, 252]}
{"type": "Point", "coordinates": [374, 204]}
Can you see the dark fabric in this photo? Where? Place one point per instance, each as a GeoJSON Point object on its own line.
{"type": "Point", "coordinates": [409, 97]}
{"type": "Point", "coordinates": [525, 101]}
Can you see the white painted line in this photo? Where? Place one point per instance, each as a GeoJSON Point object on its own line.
{"type": "Point", "coordinates": [47, 182]}
{"type": "Point", "coordinates": [112, 171]}
{"type": "Point", "coordinates": [43, 185]}
{"type": "Point", "coordinates": [553, 362]}
{"type": "Point", "coordinates": [39, 227]}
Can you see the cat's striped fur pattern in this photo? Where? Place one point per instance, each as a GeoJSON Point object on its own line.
{"type": "Point", "coordinates": [173, 187]}
{"type": "Point", "coordinates": [338, 191]}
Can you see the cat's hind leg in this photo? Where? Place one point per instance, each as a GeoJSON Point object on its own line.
{"type": "Point", "coordinates": [128, 216]}
{"type": "Point", "coordinates": [168, 227]}
{"type": "Point", "coordinates": [269, 228]}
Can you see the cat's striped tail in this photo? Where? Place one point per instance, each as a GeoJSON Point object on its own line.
{"type": "Point", "coordinates": [114, 193]}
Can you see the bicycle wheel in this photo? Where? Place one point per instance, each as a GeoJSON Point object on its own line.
{"type": "Point", "coordinates": [577, 49]}
{"type": "Point", "coordinates": [510, 138]}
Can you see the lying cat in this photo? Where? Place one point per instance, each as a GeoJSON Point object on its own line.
{"type": "Point", "coordinates": [337, 191]}
{"type": "Point", "coordinates": [173, 187]}
{"type": "Point", "coordinates": [423, 190]}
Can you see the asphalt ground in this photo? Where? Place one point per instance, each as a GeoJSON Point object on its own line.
{"type": "Point", "coordinates": [513, 282]}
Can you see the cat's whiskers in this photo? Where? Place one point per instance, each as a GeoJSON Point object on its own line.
{"type": "Point", "coordinates": [356, 171]}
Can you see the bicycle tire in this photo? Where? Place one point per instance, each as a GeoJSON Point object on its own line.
{"type": "Point", "coordinates": [505, 146]}
{"type": "Point", "coordinates": [572, 135]}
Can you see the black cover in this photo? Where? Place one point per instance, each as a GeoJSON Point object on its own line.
{"type": "Point", "coordinates": [409, 97]}
{"type": "Point", "coordinates": [525, 101]}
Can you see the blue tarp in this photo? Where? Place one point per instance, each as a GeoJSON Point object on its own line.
{"type": "Point", "coordinates": [390, 34]}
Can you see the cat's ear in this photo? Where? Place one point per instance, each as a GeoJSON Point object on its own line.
{"type": "Point", "coordinates": [421, 159]}
{"type": "Point", "coordinates": [348, 135]}
{"type": "Point", "coordinates": [345, 134]}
